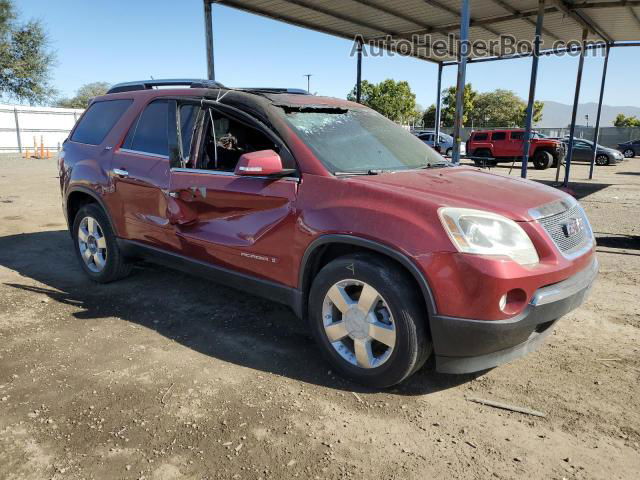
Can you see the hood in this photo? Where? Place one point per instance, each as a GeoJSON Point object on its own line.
{"type": "Point", "coordinates": [466, 187]}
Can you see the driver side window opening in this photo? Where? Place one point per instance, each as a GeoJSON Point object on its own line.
{"type": "Point", "coordinates": [225, 140]}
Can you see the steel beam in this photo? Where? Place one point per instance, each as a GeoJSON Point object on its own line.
{"type": "Point", "coordinates": [582, 19]}
{"type": "Point", "coordinates": [532, 88]}
{"type": "Point", "coordinates": [576, 99]}
{"type": "Point", "coordinates": [436, 138]}
{"type": "Point", "coordinates": [208, 29]}
{"type": "Point", "coordinates": [453, 11]}
{"type": "Point", "coordinates": [515, 11]}
{"type": "Point", "coordinates": [359, 73]}
{"type": "Point", "coordinates": [465, 16]}
{"type": "Point", "coordinates": [597, 127]}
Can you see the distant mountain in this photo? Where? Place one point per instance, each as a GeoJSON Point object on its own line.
{"type": "Point", "coordinates": [557, 114]}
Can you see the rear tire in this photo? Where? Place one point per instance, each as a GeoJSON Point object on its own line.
{"type": "Point", "coordinates": [542, 160]}
{"type": "Point", "coordinates": [379, 348]}
{"type": "Point", "coordinates": [96, 246]}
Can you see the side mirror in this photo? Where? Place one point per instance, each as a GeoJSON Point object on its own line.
{"type": "Point", "coordinates": [263, 163]}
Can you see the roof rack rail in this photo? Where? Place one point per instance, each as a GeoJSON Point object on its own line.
{"type": "Point", "coordinates": [177, 82]}
{"type": "Point", "coordinates": [294, 91]}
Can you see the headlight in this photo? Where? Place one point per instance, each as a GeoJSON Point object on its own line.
{"type": "Point", "coordinates": [485, 233]}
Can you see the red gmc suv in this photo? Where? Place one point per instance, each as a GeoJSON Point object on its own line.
{"type": "Point", "coordinates": [389, 252]}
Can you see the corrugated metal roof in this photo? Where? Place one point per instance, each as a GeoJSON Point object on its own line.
{"type": "Point", "coordinates": [405, 24]}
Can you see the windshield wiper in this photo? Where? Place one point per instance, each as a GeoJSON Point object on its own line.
{"type": "Point", "coordinates": [373, 171]}
{"type": "Point", "coordinates": [439, 163]}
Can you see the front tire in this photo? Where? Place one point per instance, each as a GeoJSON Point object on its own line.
{"type": "Point", "coordinates": [629, 153]}
{"type": "Point", "coordinates": [96, 247]}
{"type": "Point", "coordinates": [542, 160]}
{"type": "Point", "coordinates": [602, 160]}
{"type": "Point", "coordinates": [369, 320]}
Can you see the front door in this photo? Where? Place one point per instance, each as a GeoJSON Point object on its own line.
{"type": "Point", "coordinates": [231, 221]}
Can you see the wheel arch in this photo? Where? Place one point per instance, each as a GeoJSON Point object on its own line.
{"type": "Point", "coordinates": [338, 244]}
{"type": "Point", "coordinates": [79, 196]}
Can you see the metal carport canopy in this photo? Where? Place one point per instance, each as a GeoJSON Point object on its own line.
{"type": "Point", "coordinates": [418, 22]}
{"type": "Point", "coordinates": [449, 33]}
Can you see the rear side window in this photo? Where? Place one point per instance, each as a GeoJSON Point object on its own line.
{"type": "Point", "coordinates": [480, 137]}
{"type": "Point", "coordinates": [499, 136]}
{"type": "Point", "coordinates": [150, 134]}
{"type": "Point", "coordinates": [98, 121]}
{"type": "Point", "coordinates": [517, 135]}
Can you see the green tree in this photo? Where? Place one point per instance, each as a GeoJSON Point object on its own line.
{"type": "Point", "coordinates": [429, 117]}
{"type": "Point", "coordinates": [84, 95]}
{"type": "Point", "coordinates": [25, 60]}
{"type": "Point", "coordinates": [624, 121]}
{"type": "Point", "coordinates": [502, 108]}
{"type": "Point", "coordinates": [449, 104]}
{"type": "Point", "coordinates": [394, 100]}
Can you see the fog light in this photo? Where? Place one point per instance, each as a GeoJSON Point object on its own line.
{"type": "Point", "coordinates": [513, 301]}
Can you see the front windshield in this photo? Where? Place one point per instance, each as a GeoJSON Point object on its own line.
{"type": "Point", "coordinates": [360, 140]}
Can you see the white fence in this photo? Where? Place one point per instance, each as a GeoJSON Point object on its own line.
{"type": "Point", "coordinates": [20, 125]}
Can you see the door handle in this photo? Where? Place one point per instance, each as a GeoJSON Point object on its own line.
{"type": "Point", "coordinates": [120, 172]}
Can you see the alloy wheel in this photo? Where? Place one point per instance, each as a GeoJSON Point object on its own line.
{"type": "Point", "coordinates": [602, 160]}
{"type": "Point", "coordinates": [358, 323]}
{"type": "Point", "coordinates": [92, 244]}
{"type": "Point", "coordinates": [628, 153]}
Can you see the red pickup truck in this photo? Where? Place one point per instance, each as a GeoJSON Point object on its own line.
{"type": "Point", "coordinates": [507, 145]}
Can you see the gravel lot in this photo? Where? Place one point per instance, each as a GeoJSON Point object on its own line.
{"type": "Point", "coordinates": [164, 376]}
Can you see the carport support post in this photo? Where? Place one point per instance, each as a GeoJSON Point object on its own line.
{"type": "Point", "coordinates": [465, 16]}
{"type": "Point", "coordinates": [532, 89]}
{"type": "Point", "coordinates": [576, 98]}
{"type": "Point", "coordinates": [359, 72]}
{"type": "Point", "coordinates": [596, 134]}
{"type": "Point", "coordinates": [436, 139]}
{"type": "Point", "coordinates": [208, 29]}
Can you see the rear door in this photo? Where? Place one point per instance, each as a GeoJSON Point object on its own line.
{"type": "Point", "coordinates": [241, 223]}
{"type": "Point", "coordinates": [582, 151]}
{"type": "Point", "coordinates": [140, 168]}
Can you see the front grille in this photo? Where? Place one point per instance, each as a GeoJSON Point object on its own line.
{"type": "Point", "coordinates": [555, 227]}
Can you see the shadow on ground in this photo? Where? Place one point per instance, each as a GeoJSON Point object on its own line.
{"type": "Point", "coordinates": [628, 242]}
{"type": "Point", "coordinates": [211, 319]}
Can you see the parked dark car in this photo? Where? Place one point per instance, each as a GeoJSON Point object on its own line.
{"type": "Point", "coordinates": [630, 149]}
{"type": "Point", "coordinates": [445, 144]}
{"type": "Point", "coordinates": [583, 152]}
{"type": "Point", "coordinates": [389, 253]}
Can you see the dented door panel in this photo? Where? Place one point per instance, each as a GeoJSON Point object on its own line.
{"type": "Point", "coordinates": [235, 222]}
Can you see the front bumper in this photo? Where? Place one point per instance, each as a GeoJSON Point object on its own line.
{"type": "Point", "coordinates": [464, 345]}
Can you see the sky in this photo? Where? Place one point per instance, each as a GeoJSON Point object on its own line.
{"type": "Point", "coordinates": [116, 41]}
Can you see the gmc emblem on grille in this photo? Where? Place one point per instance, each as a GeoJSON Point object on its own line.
{"type": "Point", "coordinates": [572, 227]}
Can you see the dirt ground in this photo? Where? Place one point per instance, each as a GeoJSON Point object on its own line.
{"type": "Point", "coordinates": [167, 376]}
